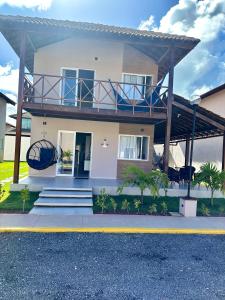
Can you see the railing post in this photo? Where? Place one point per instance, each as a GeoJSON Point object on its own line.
{"type": "Point", "coordinates": [19, 108]}
{"type": "Point", "coordinates": [169, 112]}
{"type": "Point", "coordinates": [223, 153]}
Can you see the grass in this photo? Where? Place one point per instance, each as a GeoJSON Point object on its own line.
{"type": "Point", "coordinates": [6, 169]}
{"type": "Point", "coordinates": [172, 203]}
{"type": "Point", "coordinates": [11, 201]}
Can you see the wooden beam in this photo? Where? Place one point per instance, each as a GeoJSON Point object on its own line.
{"type": "Point", "coordinates": [19, 108]}
{"type": "Point", "coordinates": [199, 115]}
{"type": "Point", "coordinates": [163, 56]}
{"type": "Point", "coordinates": [187, 151]}
{"type": "Point", "coordinates": [223, 153]}
{"type": "Point", "coordinates": [169, 112]}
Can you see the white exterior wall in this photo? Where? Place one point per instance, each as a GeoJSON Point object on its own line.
{"type": "Point", "coordinates": [2, 127]}
{"type": "Point", "coordinates": [9, 147]}
{"type": "Point", "coordinates": [103, 160]}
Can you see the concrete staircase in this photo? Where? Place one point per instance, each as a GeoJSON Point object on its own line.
{"type": "Point", "coordinates": [64, 201]}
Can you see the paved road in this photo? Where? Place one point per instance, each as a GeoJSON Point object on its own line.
{"type": "Point", "coordinates": [107, 266]}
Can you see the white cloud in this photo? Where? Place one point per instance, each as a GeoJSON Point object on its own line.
{"type": "Point", "coordinates": [38, 4]}
{"type": "Point", "coordinates": [200, 19]}
{"type": "Point", "coordinates": [9, 79]}
{"type": "Point", "coordinates": [148, 24]}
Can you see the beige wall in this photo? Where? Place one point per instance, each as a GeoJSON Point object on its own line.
{"type": "Point", "coordinates": [138, 63]}
{"type": "Point", "coordinates": [215, 103]}
{"type": "Point", "coordinates": [113, 59]}
{"type": "Point", "coordinates": [136, 129]}
{"type": "Point", "coordinates": [103, 161]}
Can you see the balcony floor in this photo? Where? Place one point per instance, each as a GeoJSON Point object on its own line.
{"type": "Point", "coordinates": [108, 115]}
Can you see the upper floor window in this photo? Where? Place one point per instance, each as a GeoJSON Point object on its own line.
{"type": "Point", "coordinates": [26, 124]}
{"type": "Point", "coordinates": [133, 147]}
{"type": "Point", "coordinates": [136, 86]}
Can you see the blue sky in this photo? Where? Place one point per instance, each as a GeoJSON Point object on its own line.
{"type": "Point", "coordinates": [201, 70]}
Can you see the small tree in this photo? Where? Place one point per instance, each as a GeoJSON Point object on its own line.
{"type": "Point", "coordinates": [212, 178]}
{"type": "Point", "coordinates": [113, 204]}
{"type": "Point", "coordinates": [25, 196]}
{"type": "Point", "coordinates": [2, 191]}
{"type": "Point", "coordinates": [135, 176]}
{"type": "Point", "coordinates": [152, 209]}
{"type": "Point", "coordinates": [125, 205]}
{"type": "Point", "coordinates": [164, 208]}
{"type": "Point", "coordinates": [161, 180]}
{"type": "Point", "coordinates": [137, 205]}
{"type": "Point", "coordinates": [102, 199]}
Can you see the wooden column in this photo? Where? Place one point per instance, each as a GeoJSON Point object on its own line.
{"type": "Point", "coordinates": [169, 111]}
{"type": "Point", "coordinates": [223, 153]}
{"type": "Point", "coordinates": [19, 107]}
{"type": "Point", "coordinates": [187, 152]}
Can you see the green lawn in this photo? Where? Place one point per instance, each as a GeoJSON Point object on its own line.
{"type": "Point", "coordinates": [11, 201]}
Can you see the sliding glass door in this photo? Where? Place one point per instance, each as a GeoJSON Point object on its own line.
{"type": "Point", "coordinates": [66, 141]}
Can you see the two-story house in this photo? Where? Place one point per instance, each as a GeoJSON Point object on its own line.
{"type": "Point", "coordinates": [94, 91]}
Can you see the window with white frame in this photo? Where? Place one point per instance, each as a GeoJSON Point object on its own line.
{"type": "Point", "coordinates": [133, 147]}
{"type": "Point", "coordinates": [135, 85]}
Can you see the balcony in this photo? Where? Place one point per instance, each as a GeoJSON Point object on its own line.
{"type": "Point", "coordinates": [83, 98]}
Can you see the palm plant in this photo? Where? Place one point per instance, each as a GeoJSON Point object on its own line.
{"type": "Point", "coordinates": [125, 205]}
{"type": "Point", "coordinates": [137, 205]}
{"type": "Point", "coordinates": [161, 180]}
{"type": "Point", "coordinates": [212, 178]}
{"type": "Point", "coordinates": [135, 176]}
{"type": "Point", "coordinates": [68, 154]}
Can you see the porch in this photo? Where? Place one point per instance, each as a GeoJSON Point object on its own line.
{"type": "Point", "coordinates": [36, 183]}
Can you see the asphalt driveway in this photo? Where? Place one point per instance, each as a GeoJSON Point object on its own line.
{"type": "Point", "coordinates": [111, 266]}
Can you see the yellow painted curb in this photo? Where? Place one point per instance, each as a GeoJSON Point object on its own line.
{"type": "Point", "coordinates": [113, 230]}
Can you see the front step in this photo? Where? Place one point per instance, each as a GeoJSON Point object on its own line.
{"type": "Point", "coordinates": [61, 211]}
{"type": "Point", "coordinates": [67, 189]}
{"type": "Point", "coordinates": [65, 194]}
{"type": "Point", "coordinates": [64, 201]}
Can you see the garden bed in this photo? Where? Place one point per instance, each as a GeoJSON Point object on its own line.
{"type": "Point", "coordinates": [172, 204]}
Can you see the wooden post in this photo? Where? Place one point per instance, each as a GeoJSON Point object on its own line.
{"type": "Point", "coordinates": [19, 108]}
{"type": "Point", "coordinates": [223, 153]}
{"type": "Point", "coordinates": [169, 111]}
{"type": "Point", "coordinates": [187, 152]}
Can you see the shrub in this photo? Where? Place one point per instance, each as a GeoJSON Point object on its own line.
{"type": "Point", "coordinates": [113, 204]}
{"type": "Point", "coordinates": [125, 205]}
{"type": "Point", "coordinates": [221, 211]}
{"type": "Point", "coordinates": [137, 205]}
{"type": "Point", "coordinates": [152, 209]}
{"type": "Point", "coordinates": [164, 208]}
{"type": "Point", "coordinates": [102, 199]}
{"type": "Point", "coordinates": [2, 191]}
{"type": "Point", "coordinates": [25, 196]}
{"type": "Point", "coordinates": [205, 210]}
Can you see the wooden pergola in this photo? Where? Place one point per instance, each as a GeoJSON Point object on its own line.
{"type": "Point", "coordinates": [208, 124]}
{"type": "Point", "coordinates": [27, 34]}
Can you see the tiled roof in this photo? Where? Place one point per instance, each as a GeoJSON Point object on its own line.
{"type": "Point", "coordinates": [93, 27]}
{"type": "Point", "coordinates": [3, 96]}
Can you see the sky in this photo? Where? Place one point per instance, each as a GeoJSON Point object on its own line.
{"type": "Point", "coordinates": [200, 71]}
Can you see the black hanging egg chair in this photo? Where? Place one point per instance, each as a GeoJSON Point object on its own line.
{"type": "Point", "coordinates": [42, 154]}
